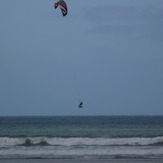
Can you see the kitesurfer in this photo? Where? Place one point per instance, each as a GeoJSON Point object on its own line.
{"type": "Point", "coordinates": [80, 105]}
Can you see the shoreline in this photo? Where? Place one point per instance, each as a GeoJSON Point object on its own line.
{"type": "Point", "coordinates": [47, 160]}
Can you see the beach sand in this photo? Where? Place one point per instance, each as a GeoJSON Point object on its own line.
{"type": "Point", "coordinates": [81, 161]}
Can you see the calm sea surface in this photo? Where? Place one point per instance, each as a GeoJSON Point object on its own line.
{"type": "Point", "coordinates": [81, 136]}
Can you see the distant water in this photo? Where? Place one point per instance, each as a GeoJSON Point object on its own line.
{"type": "Point", "coordinates": [81, 137]}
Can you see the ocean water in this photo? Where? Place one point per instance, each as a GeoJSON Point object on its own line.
{"type": "Point", "coordinates": [81, 137]}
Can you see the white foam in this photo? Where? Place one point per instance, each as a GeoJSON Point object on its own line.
{"type": "Point", "coordinates": [101, 141]}
{"type": "Point", "coordinates": [6, 141]}
{"type": "Point", "coordinates": [65, 147]}
{"type": "Point", "coordinates": [55, 151]}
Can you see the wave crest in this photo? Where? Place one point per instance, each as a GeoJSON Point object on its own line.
{"type": "Point", "coordinates": [30, 142]}
{"type": "Point", "coordinates": [46, 141]}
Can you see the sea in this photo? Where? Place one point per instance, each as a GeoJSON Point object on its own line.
{"type": "Point", "coordinates": [68, 137]}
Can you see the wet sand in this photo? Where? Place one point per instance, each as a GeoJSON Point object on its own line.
{"type": "Point", "coordinates": [81, 161]}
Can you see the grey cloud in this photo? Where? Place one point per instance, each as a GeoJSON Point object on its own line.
{"type": "Point", "coordinates": [124, 13]}
{"type": "Point", "coordinates": [132, 22]}
{"type": "Point", "coordinates": [151, 32]}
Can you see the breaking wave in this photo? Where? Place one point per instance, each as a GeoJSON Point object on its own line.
{"type": "Point", "coordinates": [55, 141]}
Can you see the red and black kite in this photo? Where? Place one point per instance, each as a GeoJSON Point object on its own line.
{"type": "Point", "coordinates": [63, 7]}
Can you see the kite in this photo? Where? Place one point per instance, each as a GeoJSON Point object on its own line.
{"type": "Point", "coordinates": [63, 7]}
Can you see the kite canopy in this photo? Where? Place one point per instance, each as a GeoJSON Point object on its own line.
{"type": "Point", "coordinates": [63, 7]}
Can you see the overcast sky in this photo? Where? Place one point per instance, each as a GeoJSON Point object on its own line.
{"type": "Point", "coordinates": [107, 53]}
